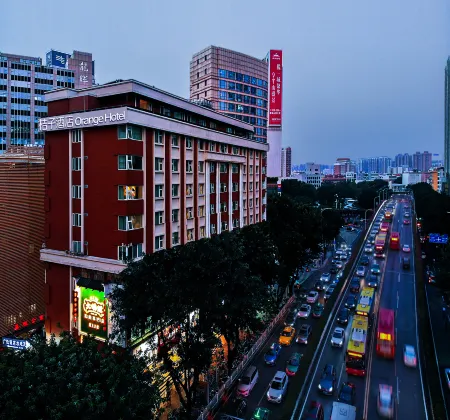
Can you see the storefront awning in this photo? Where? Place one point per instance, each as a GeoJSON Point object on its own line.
{"type": "Point", "coordinates": [90, 283]}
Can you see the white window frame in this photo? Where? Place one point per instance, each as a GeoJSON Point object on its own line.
{"type": "Point", "coordinates": [178, 190]}
{"type": "Point", "coordinates": [201, 188]}
{"type": "Point", "coordinates": [224, 226]}
{"type": "Point", "coordinates": [76, 191]}
{"type": "Point", "coordinates": [212, 209]}
{"type": "Point", "coordinates": [159, 218]}
{"type": "Point", "coordinates": [76, 136]}
{"type": "Point", "coordinates": [201, 211]}
{"type": "Point", "coordinates": [175, 212]}
{"type": "Point", "coordinates": [159, 191]}
{"type": "Point", "coordinates": [235, 205]}
{"type": "Point", "coordinates": [223, 207]}
{"type": "Point", "coordinates": [188, 143]}
{"type": "Point", "coordinates": [190, 234]}
{"type": "Point", "coordinates": [76, 246]}
{"type": "Point", "coordinates": [177, 242]}
{"type": "Point", "coordinates": [235, 187]}
{"type": "Point", "coordinates": [189, 166]}
{"type": "Point", "coordinates": [159, 164]}
{"type": "Point", "coordinates": [76, 219]}
{"type": "Point", "coordinates": [159, 242]}
{"type": "Point", "coordinates": [213, 228]}
{"type": "Point", "coordinates": [159, 137]}
{"type": "Point", "coordinates": [189, 213]}
{"type": "Point", "coordinates": [189, 189]}
{"type": "Point", "coordinates": [202, 232]}
{"type": "Point", "coordinates": [177, 163]}
{"type": "Point", "coordinates": [201, 167]}
{"type": "Point", "coordinates": [223, 187]}
{"type": "Point", "coordinates": [76, 164]}
{"type": "Point", "coordinates": [175, 140]}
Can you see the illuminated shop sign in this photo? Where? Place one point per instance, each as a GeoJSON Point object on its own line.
{"type": "Point", "coordinates": [94, 313]}
{"type": "Point", "coordinates": [80, 121]}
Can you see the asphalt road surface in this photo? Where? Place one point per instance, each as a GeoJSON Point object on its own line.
{"type": "Point", "coordinates": [258, 397]}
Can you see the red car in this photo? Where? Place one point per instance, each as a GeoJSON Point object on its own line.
{"type": "Point", "coordinates": [406, 222]}
{"type": "Point", "coordinates": [315, 411]}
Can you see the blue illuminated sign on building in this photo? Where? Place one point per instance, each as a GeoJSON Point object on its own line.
{"type": "Point", "coordinates": [14, 343]}
{"type": "Point", "coordinates": [58, 59]}
{"type": "Point", "coordinates": [436, 238]}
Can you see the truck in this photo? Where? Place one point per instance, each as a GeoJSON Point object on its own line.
{"type": "Point", "coordinates": [380, 242]}
{"type": "Point", "coordinates": [341, 411]}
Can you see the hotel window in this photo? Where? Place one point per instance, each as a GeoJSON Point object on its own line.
{"type": "Point", "coordinates": [235, 168]}
{"type": "Point", "coordinates": [235, 187]}
{"type": "Point", "coordinates": [130, 162]}
{"type": "Point", "coordinates": [175, 190]}
{"type": "Point", "coordinates": [175, 142]}
{"type": "Point", "coordinates": [251, 218]}
{"type": "Point", "coordinates": [223, 187]}
{"type": "Point", "coordinates": [212, 146]}
{"type": "Point", "coordinates": [175, 165]}
{"type": "Point", "coordinates": [76, 164]}
{"type": "Point", "coordinates": [143, 104]}
{"type": "Point", "coordinates": [245, 221]}
{"type": "Point", "coordinates": [175, 215]}
{"type": "Point", "coordinates": [159, 137]}
{"type": "Point", "coordinates": [202, 231]}
{"type": "Point", "coordinates": [212, 209]}
{"type": "Point", "coordinates": [159, 164]}
{"type": "Point", "coordinates": [159, 191]}
{"type": "Point", "coordinates": [201, 145]}
{"type": "Point", "coordinates": [223, 206]}
{"type": "Point", "coordinates": [212, 167]}
{"type": "Point", "coordinates": [256, 201]}
{"type": "Point", "coordinates": [130, 222]}
{"type": "Point", "coordinates": [188, 143]}
{"type": "Point", "coordinates": [201, 189]}
{"type": "Point", "coordinates": [213, 229]}
{"type": "Point", "coordinates": [189, 166]}
{"type": "Point", "coordinates": [159, 242]}
{"type": "Point", "coordinates": [76, 136]}
{"type": "Point", "coordinates": [189, 189]}
{"type": "Point", "coordinates": [251, 153]}
{"type": "Point", "coordinates": [166, 112]}
{"type": "Point", "coordinates": [127, 252]}
{"type": "Point", "coordinates": [235, 205]}
{"type": "Point", "coordinates": [244, 186]}
{"type": "Point", "coordinates": [201, 167]}
{"type": "Point", "coordinates": [175, 238]}
{"type": "Point", "coordinates": [201, 211]}
{"type": "Point", "coordinates": [223, 148]}
{"type": "Point", "coordinates": [223, 168]}
{"type": "Point", "coordinates": [251, 169]}
{"type": "Point", "coordinates": [212, 188]}
{"type": "Point", "coordinates": [76, 191]}
{"type": "Point", "coordinates": [251, 186]}
{"type": "Point", "coordinates": [263, 170]}
{"type": "Point", "coordinates": [159, 217]}
{"type": "Point", "coordinates": [257, 218]}
{"type": "Point", "coordinates": [244, 204]}
{"type": "Point", "coordinates": [257, 169]}
{"type": "Point", "coordinates": [235, 150]}
{"type": "Point", "coordinates": [244, 170]}
{"type": "Point", "coordinates": [224, 226]}
{"type": "Point", "coordinates": [250, 203]}
{"type": "Point", "coordinates": [76, 219]}
{"type": "Point", "coordinates": [236, 223]}
{"type": "Point", "coordinates": [189, 214]}
{"type": "Point", "coordinates": [76, 246]}
{"type": "Point", "coordinates": [190, 234]}
{"type": "Point", "coordinates": [127, 192]}
{"type": "Point", "coordinates": [129, 131]}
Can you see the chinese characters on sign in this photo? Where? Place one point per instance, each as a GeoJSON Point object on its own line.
{"type": "Point", "coordinates": [275, 87]}
{"type": "Point", "coordinates": [13, 343]}
{"type": "Point", "coordinates": [70, 121]}
{"type": "Point", "coordinates": [94, 313]}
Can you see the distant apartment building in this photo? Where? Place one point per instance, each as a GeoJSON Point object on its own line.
{"type": "Point", "coordinates": [409, 178]}
{"type": "Point", "coordinates": [131, 169]}
{"type": "Point", "coordinates": [436, 178]}
{"type": "Point", "coordinates": [286, 162]}
{"type": "Point", "coordinates": [22, 214]}
{"type": "Point", "coordinates": [24, 81]}
{"type": "Point", "coordinates": [343, 165]}
{"type": "Point", "coordinates": [447, 123]}
{"type": "Point", "coordinates": [422, 161]}
{"type": "Point", "coordinates": [311, 175]}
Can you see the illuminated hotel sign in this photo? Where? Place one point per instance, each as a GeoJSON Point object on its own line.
{"type": "Point", "coordinates": [84, 120]}
{"type": "Point", "coordinates": [94, 313]}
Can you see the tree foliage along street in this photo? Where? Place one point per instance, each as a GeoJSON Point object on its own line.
{"type": "Point", "coordinates": [217, 287]}
{"type": "Point", "coordinates": [79, 381]}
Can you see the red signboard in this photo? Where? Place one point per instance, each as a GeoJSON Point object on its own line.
{"type": "Point", "coordinates": [275, 86]}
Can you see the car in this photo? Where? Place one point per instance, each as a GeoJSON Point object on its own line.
{"type": "Point", "coordinates": [287, 336]}
{"type": "Point", "coordinates": [407, 214]}
{"type": "Point", "coordinates": [327, 382]}
{"type": "Point", "coordinates": [334, 269]}
{"type": "Point", "coordinates": [343, 316]}
{"type": "Point", "coordinates": [361, 271]}
{"type": "Point", "coordinates": [271, 356]}
{"type": "Point", "coordinates": [312, 297]}
{"type": "Point", "coordinates": [247, 381]}
{"type": "Point", "coordinates": [261, 413]}
{"type": "Point", "coordinates": [339, 264]}
{"type": "Point", "coordinates": [372, 281]}
{"type": "Point", "coordinates": [406, 248]}
{"type": "Point", "coordinates": [338, 337]}
{"type": "Point", "coordinates": [301, 292]}
{"type": "Point", "coordinates": [406, 264]}
{"type": "Point", "coordinates": [409, 356]}
{"type": "Point", "coordinates": [314, 412]}
{"type": "Point", "coordinates": [385, 401]}
{"type": "Point", "coordinates": [236, 407]}
{"type": "Point", "coordinates": [347, 393]}
{"type": "Point", "coordinates": [317, 310]}
{"type": "Point", "coordinates": [290, 319]}
{"type": "Point", "coordinates": [375, 269]}
{"type": "Point", "coordinates": [365, 260]}
{"type": "Point", "coordinates": [431, 277]}
{"type": "Point", "coordinates": [406, 206]}
{"type": "Point", "coordinates": [325, 277]}
{"type": "Point", "coordinates": [447, 376]}
{"type": "Point", "coordinates": [320, 285]}
{"type": "Point", "coordinates": [355, 285]}
{"type": "Point", "coordinates": [278, 388]}
{"type": "Point", "coordinates": [406, 222]}
{"type": "Point", "coordinates": [344, 256]}
{"type": "Point", "coordinates": [371, 239]}
{"type": "Point", "coordinates": [328, 293]}
{"type": "Point", "coordinates": [293, 364]}
{"type": "Point", "coordinates": [368, 249]}
{"type": "Point", "coordinates": [303, 334]}
{"type": "Point", "coordinates": [305, 311]}
{"type": "Point", "coordinates": [350, 302]}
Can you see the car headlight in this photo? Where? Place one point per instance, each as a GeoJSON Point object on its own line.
{"type": "Point", "coordinates": [268, 394]}
{"type": "Point", "coordinates": [320, 386]}
{"type": "Point", "coordinates": [331, 389]}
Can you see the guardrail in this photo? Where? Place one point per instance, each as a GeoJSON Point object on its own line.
{"type": "Point", "coordinates": [330, 320]}
{"type": "Point", "coordinates": [240, 368]}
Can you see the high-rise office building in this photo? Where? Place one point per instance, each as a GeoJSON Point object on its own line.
{"type": "Point", "coordinates": [422, 162]}
{"type": "Point", "coordinates": [23, 83]}
{"type": "Point", "coordinates": [235, 84]}
{"type": "Point", "coordinates": [447, 123]}
{"type": "Point", "coordinates": [286, 162]}
{"type": "Point", "coordinates": [344, 165]}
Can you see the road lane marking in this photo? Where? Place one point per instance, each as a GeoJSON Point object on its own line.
{"type": "Point", "coordinates": [340, 375]}
{"type": "Point", "coordinates": [398, 298]}
{"type": "Point", "coordinates": [399, 277]}
{"type": "Point", "coordinates": [398, 392]}
{"type": "Point", "coordinates": [396, 334]}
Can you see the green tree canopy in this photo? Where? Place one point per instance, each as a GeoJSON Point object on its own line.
{"type": "Point", "coordinates": [299, 191]}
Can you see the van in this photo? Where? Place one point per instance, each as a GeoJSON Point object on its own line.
{"type": "Point", "coordinates": [247, 381]}
{"type": "Point", "coordinates": [406, 264]}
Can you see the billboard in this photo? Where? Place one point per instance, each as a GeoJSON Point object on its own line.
{"type": "Point", "coordinates": [94, 313]}
{"type": "Point", "coordinates": [58, 59]}
{"type": "Point", "coordinates": [275, 87]}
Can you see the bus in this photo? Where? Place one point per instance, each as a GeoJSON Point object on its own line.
{"type": "Point", "coordinates": [386, 333]}
{"type": "Point", "coordinates": [380, 242]}
{"type": "Point", "coordinates": [394, 242]}
{"type": "Point", "coordinates": [355, 360]}
{"type": "Point", "coordinates": [365, 301]}
{"type": "Point", "coordinates": [384, 227]}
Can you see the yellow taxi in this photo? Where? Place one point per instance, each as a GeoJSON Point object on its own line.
{"type": "Point", "coordinates": [287, 336]}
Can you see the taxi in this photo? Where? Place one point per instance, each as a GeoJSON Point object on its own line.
{"type": "Point", "coordinates": [287, 336]}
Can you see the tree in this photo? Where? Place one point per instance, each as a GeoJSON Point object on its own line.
{"type": "Point", "coordinates": [332, 222]}
{"type": "Point", "coordinates": [299, 191]}
{"type": "Point", "coordinates": [443, 268]}
{"type": "Point", "coordinates": [71, 380]}
{"type": "Point", "coordinates": [326, 194]}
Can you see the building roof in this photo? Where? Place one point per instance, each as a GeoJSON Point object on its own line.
{"type": "Point", "coordinates": [23, 154]}
{"type": "Point", "coordinates": [230, 51]}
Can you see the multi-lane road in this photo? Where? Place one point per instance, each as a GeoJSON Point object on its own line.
{"type": "Point", "coordinates": [396, 291]}
{"type": "Point", "coordinates": [258, 397]}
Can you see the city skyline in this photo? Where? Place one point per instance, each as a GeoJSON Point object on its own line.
{"type": "Point", "coordinates": [405, 107]}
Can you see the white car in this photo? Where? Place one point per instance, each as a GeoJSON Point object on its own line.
{"type": "Point", "coordinates": [361, 271]}
{"type": "Point", "coordinates": [368, 249]}
{"type": "Point", "coordinates": [339, 264]}
{"type": "Point", "coordinates": [338, 337]}
{"type": "Point", "coordinates": [312, 296]}
{"type": "Point", "coordinates": [409, 356]}
{"type": "Point", "coordinates": [325, 277]}
{"type": "Point", "coordinates": [385, 402]}
{"type": "Point", "coordinates": [278, 388]}
{"type": "Point", "coordinates": [305, 311]}
{"type": "Point", "coordinates": [406, 248]}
